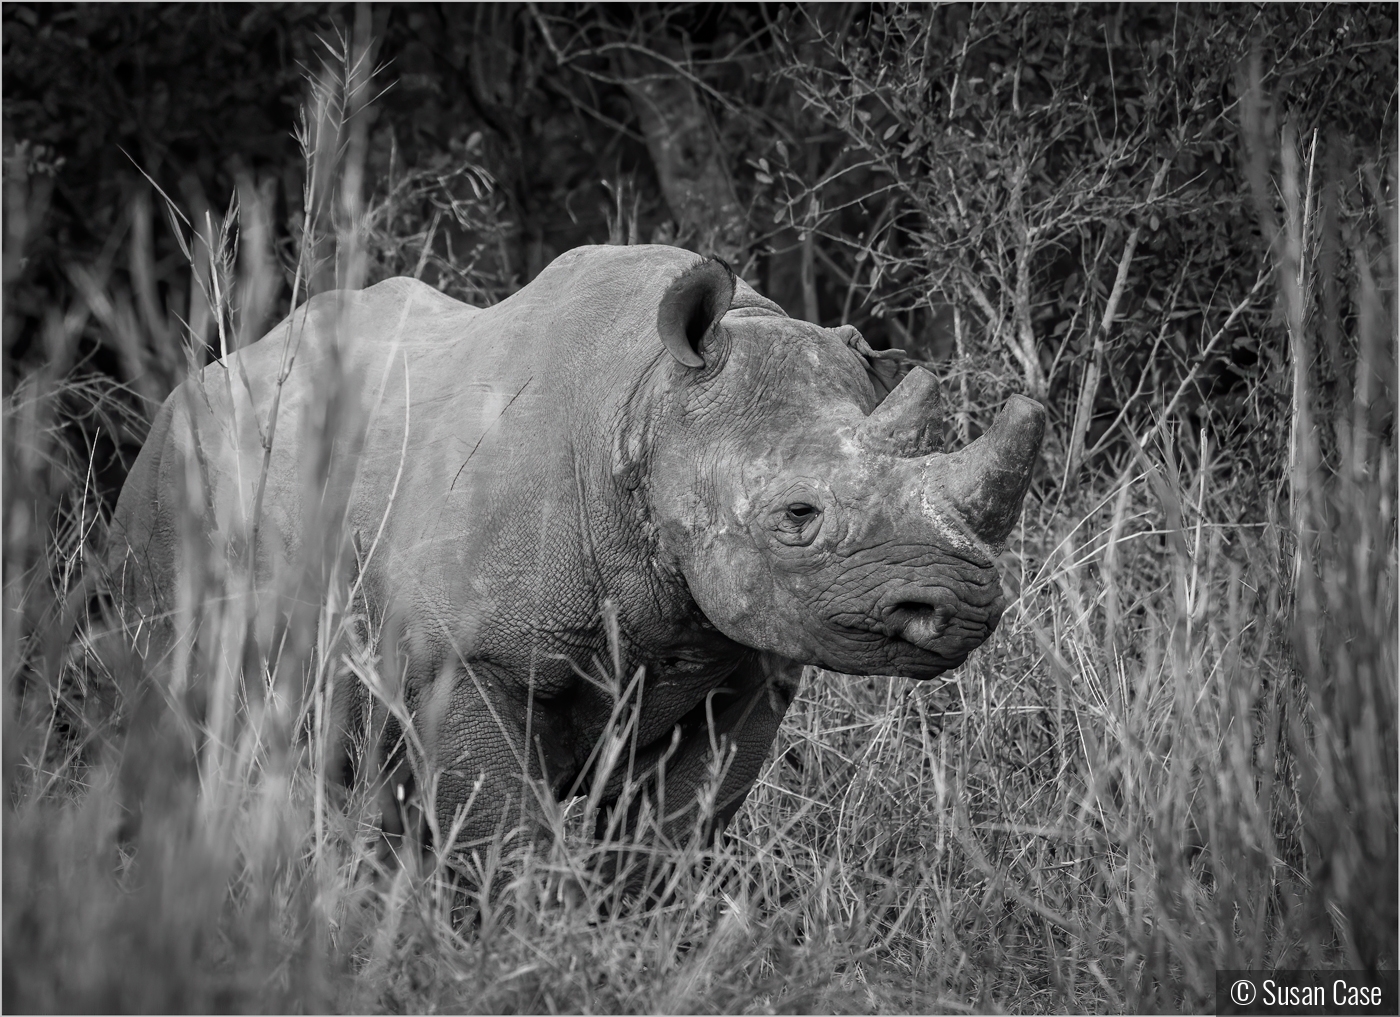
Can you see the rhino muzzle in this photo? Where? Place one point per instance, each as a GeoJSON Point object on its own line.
{"type": "Point", "coordinates": [926, 622]}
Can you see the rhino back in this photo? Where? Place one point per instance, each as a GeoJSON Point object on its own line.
{"type": "Point", "coordinates": [470, 439]}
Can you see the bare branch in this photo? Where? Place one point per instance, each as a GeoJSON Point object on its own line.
{"type": "Point", "coordinates": [1093, 372]}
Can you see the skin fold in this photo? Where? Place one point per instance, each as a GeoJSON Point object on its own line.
{"type": "Point", "coordinates": [636, 455]}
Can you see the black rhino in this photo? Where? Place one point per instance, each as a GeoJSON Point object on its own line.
{"type": "Point", "coordinates": [633, 436]}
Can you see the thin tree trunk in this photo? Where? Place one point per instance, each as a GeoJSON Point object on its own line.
{"type": "Point", "coordinates": [686, 153]}
{"type": "Point", "coordinates": [1022, 338]}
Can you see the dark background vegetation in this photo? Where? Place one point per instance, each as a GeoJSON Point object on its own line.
{"type": "Point", "coordinates": [857, 127]}
{"type": "Point", "coordinates": [1173, 224]}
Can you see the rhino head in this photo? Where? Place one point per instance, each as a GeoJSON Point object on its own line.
{"type": "Point", "coordinates": [809, 517]}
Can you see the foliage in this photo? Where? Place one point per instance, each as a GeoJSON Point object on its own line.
{"type": "Point", "coordinates": [1176, 225]}
{"type": "Point", "coordinates": [1066, 177]}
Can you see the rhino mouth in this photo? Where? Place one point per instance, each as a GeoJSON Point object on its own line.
{"type": "Point", "coordinates": [915, 625]}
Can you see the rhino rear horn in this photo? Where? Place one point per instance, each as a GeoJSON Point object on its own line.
{"type": "Point", "coordinates": [692, 307]}
{"type": "Point", "coordinates": [909, 421]}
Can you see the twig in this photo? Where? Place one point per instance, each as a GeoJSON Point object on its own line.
{"type": "Point", "coordinates": [1186, 382]}
{"type": "Point", "coordinates": [1094, 371]}
{"type": "Point", "coordinates": [1142, 377]}
{"type": "Point", "coordinates": [488, 431]}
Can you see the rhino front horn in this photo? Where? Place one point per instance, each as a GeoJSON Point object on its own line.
{"type": "Point", "coordinates": [692, 307]}
{"type": "Point", "coordinates": [986, 481]}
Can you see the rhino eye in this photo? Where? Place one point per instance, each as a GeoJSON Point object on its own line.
{"type": "Point", "coordinates": [797, 523]}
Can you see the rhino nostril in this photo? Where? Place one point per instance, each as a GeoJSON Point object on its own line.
{"type": "Point", "coordinates": [921, 624]}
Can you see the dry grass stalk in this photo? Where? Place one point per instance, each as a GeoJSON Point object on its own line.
{"type": "Point", "coordinates": [1173, 756]}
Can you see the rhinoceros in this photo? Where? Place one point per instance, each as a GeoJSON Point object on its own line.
{"type": "Point", "coordinates": [635, 458]}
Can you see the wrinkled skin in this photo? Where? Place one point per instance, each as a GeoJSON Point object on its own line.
{"type": "Point", "coordinates": [628, 433]}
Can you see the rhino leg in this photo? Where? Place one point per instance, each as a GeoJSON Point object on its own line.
{"type": "Point", "coordinates": [487, 767]}
{"type": "Point", "coordinates": [482, 782]}
{"type": "Point", "coordinates": [742, 717]}
{"type": "Point", "coordinates": [763, 690]}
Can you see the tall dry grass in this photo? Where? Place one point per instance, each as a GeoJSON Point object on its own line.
{"type": "Point", "coordinates": [1177, 754]}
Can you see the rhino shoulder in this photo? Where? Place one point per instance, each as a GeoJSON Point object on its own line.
{"type": "Point", "coordinates": [372, 309]}
{"type": "Point", "coordinates": [401, 289]}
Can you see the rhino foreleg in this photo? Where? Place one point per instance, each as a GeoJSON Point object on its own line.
{"type": "Point", "coordinates": [739, 720]}
{"type": "Point", "coordinates": [477, 779]}
{"type": "Point", "coordinates": [484, 764]}
{"type": "Point", "coordinates": [742, 731]}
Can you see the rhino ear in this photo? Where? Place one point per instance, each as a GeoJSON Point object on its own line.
{"type": "Point", "coordinates": [691, 308]}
